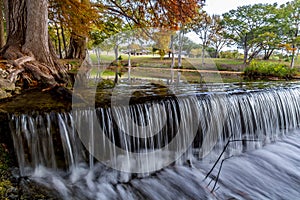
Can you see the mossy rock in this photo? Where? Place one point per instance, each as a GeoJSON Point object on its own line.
{"type": "Point", "coordinates": [18, 188]}
{"type": "Point", "coordinates": [38, 101]}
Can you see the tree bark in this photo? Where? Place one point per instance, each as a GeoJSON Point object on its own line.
{"type": "Point", "coordinates": [37, 31]}
{"type": "Point", "coordinates": [27, 35]}
{"type": "Point", "coordinates": [15, 27]}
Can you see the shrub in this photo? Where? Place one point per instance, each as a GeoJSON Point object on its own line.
{"type": "Point", "coordinates": [267, 69]}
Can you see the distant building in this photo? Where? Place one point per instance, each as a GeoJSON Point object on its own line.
{"type": "Point", "coordinates": [137, 52]}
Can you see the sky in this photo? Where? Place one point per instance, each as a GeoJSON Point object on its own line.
{"type": "Point", "coordinates": [220, 7]}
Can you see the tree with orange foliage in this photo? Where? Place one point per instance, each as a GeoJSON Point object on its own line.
{"type": "Point", "coordinates": [159, 14]}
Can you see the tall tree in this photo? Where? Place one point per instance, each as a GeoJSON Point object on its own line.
{"type": "Point", "coordinates": [28, 43]}
{"type": "Point", "coordinates": [245, 24]}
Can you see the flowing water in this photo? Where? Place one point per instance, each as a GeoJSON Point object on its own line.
{"type": "Point", "coordinates": [164, 149]}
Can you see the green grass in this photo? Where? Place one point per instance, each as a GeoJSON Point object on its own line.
{"type": "Point", "coordinates": [228, 61]}
{"type": "Point", "coordinates": [102, 58]}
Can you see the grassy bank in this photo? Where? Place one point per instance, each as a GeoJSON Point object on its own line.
{"type": "Point", "coordinates": [154, 67]}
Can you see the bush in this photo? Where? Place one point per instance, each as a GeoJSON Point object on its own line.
{"type": "Point", "coordinates": [267, 69]}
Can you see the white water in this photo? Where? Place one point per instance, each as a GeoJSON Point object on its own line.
{"type": "Point", "coordinates": [269, 172]}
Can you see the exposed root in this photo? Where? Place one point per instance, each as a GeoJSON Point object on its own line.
{"type": "Point", "coordinates": [13, 76]}
{"type": "Point", "coordinates": [40, 72]}
{"type": "Point", "coordinates": [22, 60]}
{"type": "Point", "coordinates": [29, 71]}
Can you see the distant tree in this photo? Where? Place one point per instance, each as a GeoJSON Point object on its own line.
{"type": "Point", "coordinates": [246, 24]}
{"type": "Point", "coordinates": [202, 26]}
{"type": "Point", "coordinates": [218, 39]}
{"type": "Point", "coordinates": [161, 40]}
{"type": "Point", "coordinates": [289, 16]}
{"type": "Point", "coordinates": [187, 44]}
{"type": "Point", "coordinates": [196, 52]}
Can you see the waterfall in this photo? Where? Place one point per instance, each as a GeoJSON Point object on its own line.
{"type": "Point", "coordinates": [203, 122]}
{"type": "Point", "coordinates": [148, 137]}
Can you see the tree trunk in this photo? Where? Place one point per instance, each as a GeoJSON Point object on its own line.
{"type": "Point", "coordinates": [180, 38]}
{"type": "Point", "coordinates": [64, 39]}
{"type": "Point", "coordinates": [28, 42]}
{"type": "Point", "coordinates": [15, 28]}
{"type": "Point", "coordinates": [294, 51]}
{"type": "Point", "coordinates": [77, 47]}
{"type": "Point", "coordinates": [268, 54]}
{"type": "Point", "coordinates": [293, 58]}
{"type": "Point", "coordinates": [59, 41]}
{"type": "Point", "coordinates": [216, 53]}
{"type": "Point", "coordinates": [245, 50]}
{"type": "Point", "coordinates": [173, 57]}
{"type": "Point", "coordinates": [203, 50]}
{"type": "Point", "coordinates": [2, 33]}
{"type": "Point", "coordinates": [129, 66]}
{"type": "Point", "coordinates": [116, 50]}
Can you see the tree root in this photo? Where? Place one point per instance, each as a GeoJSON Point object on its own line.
{"type": "Point", "coordinates": [22, 60]}
{"type": "Point", "coordinates": [28, 69]}
{"type": "Point", "coordinates": [13, 76]}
